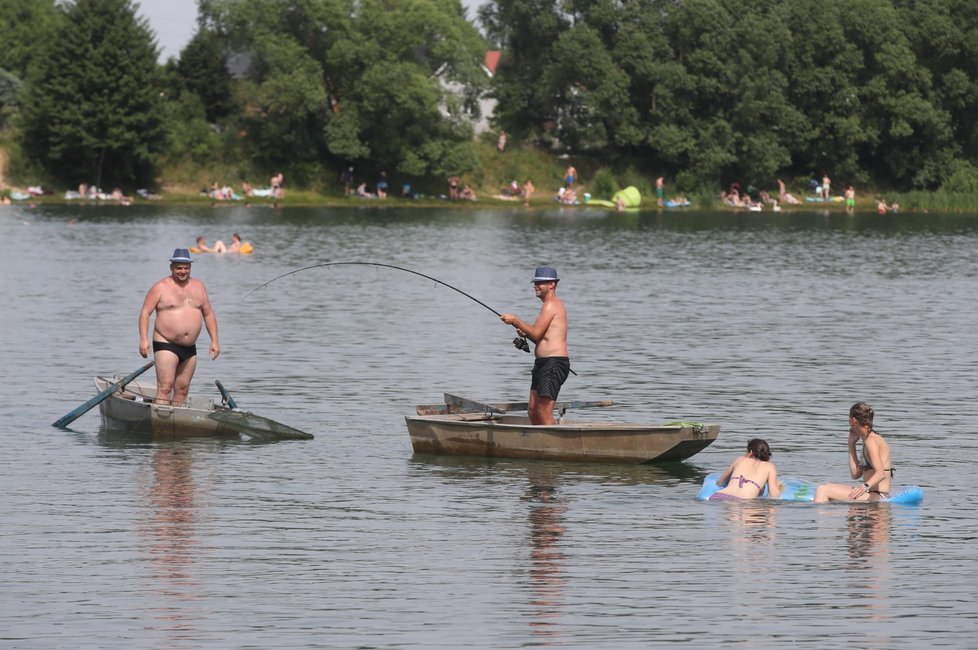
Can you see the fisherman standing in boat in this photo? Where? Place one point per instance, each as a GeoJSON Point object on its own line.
{"type": "Point", "coordinates": [549, 334]}
{"type": "Point", "coordinates": [181, 305]}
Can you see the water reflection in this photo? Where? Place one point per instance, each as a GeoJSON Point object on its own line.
{"type": "Point", "coordinates": [169, 538]}
{"type": "Point", "coordinates": [754, 521]}
{"type": "Point", "coordinates": [547, 580]}
{"type": "Point", "coordinates": [666, 474]}
{"type": "Point", "coordinates": [869, 531]}
{"type": "Point", "coordinates": [869, 528]}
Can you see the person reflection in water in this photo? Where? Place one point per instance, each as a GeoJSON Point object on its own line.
{"type": "Point", "coordinates": [547, 560]}
{"type": "Point", "coordinates": [168, 531]}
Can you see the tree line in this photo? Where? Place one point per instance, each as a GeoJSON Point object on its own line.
{"type": "Point", "coordinates": [880, 92]}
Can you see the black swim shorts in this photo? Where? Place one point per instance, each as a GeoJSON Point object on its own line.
{"type": "Point", "coordinates": [183, 352]}
{"type": "Point", "coordinates": [549, 374]}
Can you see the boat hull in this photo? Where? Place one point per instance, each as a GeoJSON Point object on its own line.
{"type": "Point", "coordinates": [129, 412]}
{"type": "Point", "coordinates": [514, 437]}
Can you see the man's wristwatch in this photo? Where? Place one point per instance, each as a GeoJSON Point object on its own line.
{"type": "Point", "coordinates": [866, 485]}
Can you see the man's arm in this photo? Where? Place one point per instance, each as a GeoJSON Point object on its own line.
{"type": "Point", "coordinates": [210, 322]}
{"type": "Point", "coordinates": [149, 304]}
{"type": "Point", "coordinates": [539, 328]}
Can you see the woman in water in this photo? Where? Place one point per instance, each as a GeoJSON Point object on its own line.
{"type": "Point", "coordinates": [747, 475]}
{"type": "Point", "coordinates": [875, 470]}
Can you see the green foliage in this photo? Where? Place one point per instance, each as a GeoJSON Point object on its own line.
{"type": "Point", "coordinates": [26, 26]}
{"type": "Point", "coordinates": [189, 136]}
{"type": "Point", "coordinates": [709, 91]}
{"type": "Point", "coordinates": [963, 179]}
{"type": "Point", "coordinates": [91, 109]}
{"type": "Point", "coordinates": [604, 185]}
{"type": "Point", "coordinates": [388, 83]}
{"type": "Point", "coordinates": [202, 70]}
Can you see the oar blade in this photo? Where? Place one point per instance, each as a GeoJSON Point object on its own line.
{"type": "Point", "coordinates": [71, 416]}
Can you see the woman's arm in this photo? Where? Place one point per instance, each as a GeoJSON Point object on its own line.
{"type": "Point", "coordinates": [773, 486]}
{"type": "Point", "coordinates": [854, 469]}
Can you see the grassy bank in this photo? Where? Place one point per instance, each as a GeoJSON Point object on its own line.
{"type": "Point", "coordinates": [183, 183]}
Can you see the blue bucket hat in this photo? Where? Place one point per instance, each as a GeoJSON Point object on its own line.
{"type": "Point", "coordinates": [545, 274]}
{"type": "Point", "coordinates": [181, 255]}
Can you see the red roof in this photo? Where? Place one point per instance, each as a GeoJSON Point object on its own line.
{"type": "Point", "coordinates": [492, 60]}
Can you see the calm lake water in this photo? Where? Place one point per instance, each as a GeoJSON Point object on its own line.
{"type": "Point", "coordinates": [770, 324]}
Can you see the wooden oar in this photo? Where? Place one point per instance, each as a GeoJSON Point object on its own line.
{"type": "Point", "coordinates": [225, 395]}
{"type": "Point", "coordinates": [70, 417]}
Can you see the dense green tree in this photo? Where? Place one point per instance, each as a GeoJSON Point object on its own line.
{"type": "Point", "coordinates": [25, 27]}
{"type": "Point", "coordinates": [389, 83]}
{"type": "Point", "coordinates": [711, 90]}
{"type": "Point", "coordinates": [944, 36]}
{"type": "Point", "coordinates": [525, 31]}
{"type": "Point", "coordinates": [92, 111]}
{"type": "Point", "coordinates": [203, 70]}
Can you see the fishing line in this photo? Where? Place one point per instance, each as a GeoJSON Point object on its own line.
{"type": "Point", "coordinates": [519, 341]}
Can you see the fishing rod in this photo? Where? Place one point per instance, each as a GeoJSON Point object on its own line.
{"type": "Point", "coordinates": [519, 341]}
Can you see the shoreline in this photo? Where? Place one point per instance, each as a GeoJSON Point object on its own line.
{"type": "Point", "coordinates": [307, 199]}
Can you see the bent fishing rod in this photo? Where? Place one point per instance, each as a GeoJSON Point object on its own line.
{"type": "Point", "coordinates": [519, 341]}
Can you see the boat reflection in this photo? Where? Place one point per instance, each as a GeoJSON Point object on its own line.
{"type": "Point", "coordinates": [460, 467]}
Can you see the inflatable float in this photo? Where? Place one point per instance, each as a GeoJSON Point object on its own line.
{"type": "Point", "coordinates": [630, 197]}
{"type": "Point", "coordinates": [796, 489]}
{"type": "Point", "coordinates": [245, 249]}
{"type": "Point", "coordinates": [669, 203]}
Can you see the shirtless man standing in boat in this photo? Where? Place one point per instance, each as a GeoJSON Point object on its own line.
{"type": "Point", "coordinates": [549, 334]}
{"type": "Point", "coordinates": [181, 305]}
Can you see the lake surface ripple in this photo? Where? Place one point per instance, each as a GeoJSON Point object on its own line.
{"type": "Point", "coordinates": [770, 324]}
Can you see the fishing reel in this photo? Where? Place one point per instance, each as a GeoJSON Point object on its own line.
{"type": "Point", "coordinates": [521, 344]}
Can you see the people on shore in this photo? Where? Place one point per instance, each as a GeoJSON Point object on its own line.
{"type": "Point", "coordinates": [362, 191]}
{"type": "Point", "coordinates": [567, 196]}
{"type": "Point", "coordinates": [549, 335]}
{"type": "Point", "coordinates": [382, 186]}
{"type": "Point", "coordinates": [570, 176]}
{"type": "Point", "coordinates": [749, 474]}
{"type": "Point", "coordinates": [528, 190]}
{"type": "Point", "coordinates": [182, 306]}
{"type": "Point", "coordinates": [826, 188]}
{"type": "Point", "coordinates": [346, 180]}
{"type": "Point", "coordinates": [875, 470]}
{"type": "Point", "coordinates": [660, 190]}
{"type": "Point", "coordinates": [850, 198]}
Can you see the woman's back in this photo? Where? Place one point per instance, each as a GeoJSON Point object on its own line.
{"type": "Point", "coordinates": [748, 477]}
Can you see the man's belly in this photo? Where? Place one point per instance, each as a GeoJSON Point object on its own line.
{"type": "Point", "coordinates": [181, 327]}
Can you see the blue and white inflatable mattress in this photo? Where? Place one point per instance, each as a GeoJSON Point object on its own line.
{"type": "Point", "coordinates": [796, 489]}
